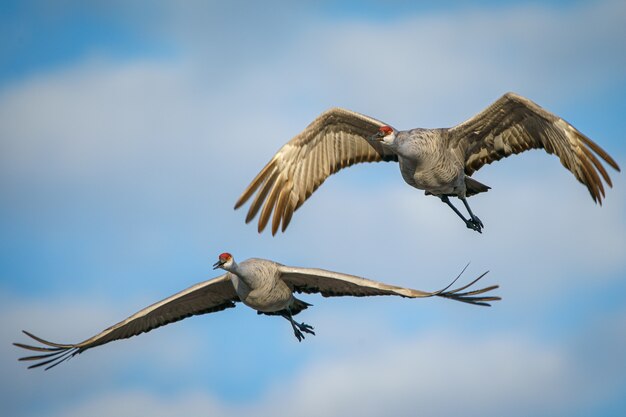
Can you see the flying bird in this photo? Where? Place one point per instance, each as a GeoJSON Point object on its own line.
{"type": "Point", "coordinates": [266, 286]}
{"type": "Point", "coordinates": [438, 161]}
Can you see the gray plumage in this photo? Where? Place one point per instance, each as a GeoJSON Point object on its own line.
{"type": "Point", "coordinates": [263, 285]}
{"type": "Point", "coordinates": [438, 161]}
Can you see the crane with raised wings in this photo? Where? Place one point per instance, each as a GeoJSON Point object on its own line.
{"type": "Point", "coordinates": [438, 161]}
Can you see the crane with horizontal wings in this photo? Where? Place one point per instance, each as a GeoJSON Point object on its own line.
{"type": "Point", "coordinates": [266, 286]}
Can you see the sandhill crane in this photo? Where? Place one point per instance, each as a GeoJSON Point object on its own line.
{"type": "Point", "coordinates": [439, 161]}
{"type": "Point", "coordinates": [263, 285]}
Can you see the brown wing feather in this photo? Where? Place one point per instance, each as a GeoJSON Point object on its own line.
{"type": "Point", "coordinates": [336, 284]}
{"type": "Point", "coordinates": [335, 140]}
{"type": "Point", "coordinates": [514, 124]}
{"type": "Point", "coordinates": [206, 297]}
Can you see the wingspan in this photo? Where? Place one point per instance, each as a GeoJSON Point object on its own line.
{"type": "Point", "coordinates": [514, 124]}
{"type": "Point", "coordinates": [335, 140]}
{"type": "Point", "coordinates": [206, 297]}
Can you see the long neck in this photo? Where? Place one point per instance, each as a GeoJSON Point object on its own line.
{"type": "Point", "coordinates": [235, 269]}
{"type": "Point", "coordinates": [241, 286]}
{"type": "Point", "coordinates": [398, 144]}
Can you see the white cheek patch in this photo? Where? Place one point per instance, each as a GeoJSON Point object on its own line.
{"type": "Point", "coordinates": [388, 140]}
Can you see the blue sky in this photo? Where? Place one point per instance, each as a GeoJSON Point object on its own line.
{"type": "Point", "coordinates": [127, 131]}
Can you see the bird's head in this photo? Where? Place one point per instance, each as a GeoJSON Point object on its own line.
{"type": "Point", "coordinates": [225, 261]}
{"type": "Point", "coordinates": [385, 135]}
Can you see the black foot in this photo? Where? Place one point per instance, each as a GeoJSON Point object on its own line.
{"type": "Point", "coordinates": [306, 328]}
{"type": "Point", "coordinates": [302, 327]}
{"type": "Point", "coordinates": [475, 224]}
{"type": "Point", "coordinates": [298, 334]}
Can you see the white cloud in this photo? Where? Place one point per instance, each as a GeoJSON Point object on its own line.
{"type": "Point", "coordinates": [141, 403]}
{"type": "Point", "coordinates": [97, 119]}
{"type": "Point", "coordinates": [436, 70]}
{"type": "Point", "coordinates": [435, 374]}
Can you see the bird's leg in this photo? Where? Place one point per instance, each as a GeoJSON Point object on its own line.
{"type": "Point", "coordinates": [475, 220]}
{"type": "Point", "coordinates": [446, 200]}
{"type": "Point", "coordinates": [471, 224]}
{"type": "Point", "coordinates": [298, 328]}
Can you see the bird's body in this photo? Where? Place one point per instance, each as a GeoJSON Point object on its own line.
{"type": "Point", "coordinates": [258, 285]}
{"type": "Point", "coordinates": [438, 161]}
{"type": "Point", "coordinates": [427, 164]}
{"type": "Point", "coordinates": [266, 286]}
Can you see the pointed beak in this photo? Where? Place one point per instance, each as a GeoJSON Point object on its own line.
{"type": "Point", "coordinates": [217, 264]}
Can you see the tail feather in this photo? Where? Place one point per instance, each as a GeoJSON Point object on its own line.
{"type": "Point", "coordinates": [298, 305]}
{"type": "Point", "coordinates": [295, 307]}
{"type": "Point", "coordinates": [474, 187]}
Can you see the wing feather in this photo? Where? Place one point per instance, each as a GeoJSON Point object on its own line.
{"type": "Point", "coordinates": [206, 297]}
{"type": "Point", "coordinates": [256, 182]}
{"type": "Point", "coordinates": [270, 202]}
{"type": "Point", "coordinates": [336, 139]}
{"type": "Point", "coordinates": [279, 212]}
{"type": "Point", "coordinates": [514, 124]}
{"type": "Point", "coordinates": [336, 284]}
{"type": "Point", "coordinates": [260, 197]}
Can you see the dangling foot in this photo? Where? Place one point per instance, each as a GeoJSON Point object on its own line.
{"type": "Point", "coordinates": [306, 328]}
{"type": "Point", "coordinates": [298, 328]}
{"type": "Point", "coordinates": [475, 224]}
{"type": "Point", "coordinates": [298, 334]}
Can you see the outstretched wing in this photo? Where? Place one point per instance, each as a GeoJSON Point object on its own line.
{"type": "Point", "coordinates": [206, 297]}
{"type": "Point", "coordinates": [336, 284]}
{"type": "Point", "coordinates": [336, 139]}
{"type": "Point", "coordinates": [514, 124]}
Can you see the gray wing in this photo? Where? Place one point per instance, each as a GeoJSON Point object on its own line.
{"type": "Point", "coordinates": [514, 124]}
{"type": "Point", "coordinates": [336, 284]}
{"type": "Point", "coordinates": [206, 297]}
{"type": "Point", "coordinates": [335, 140]}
